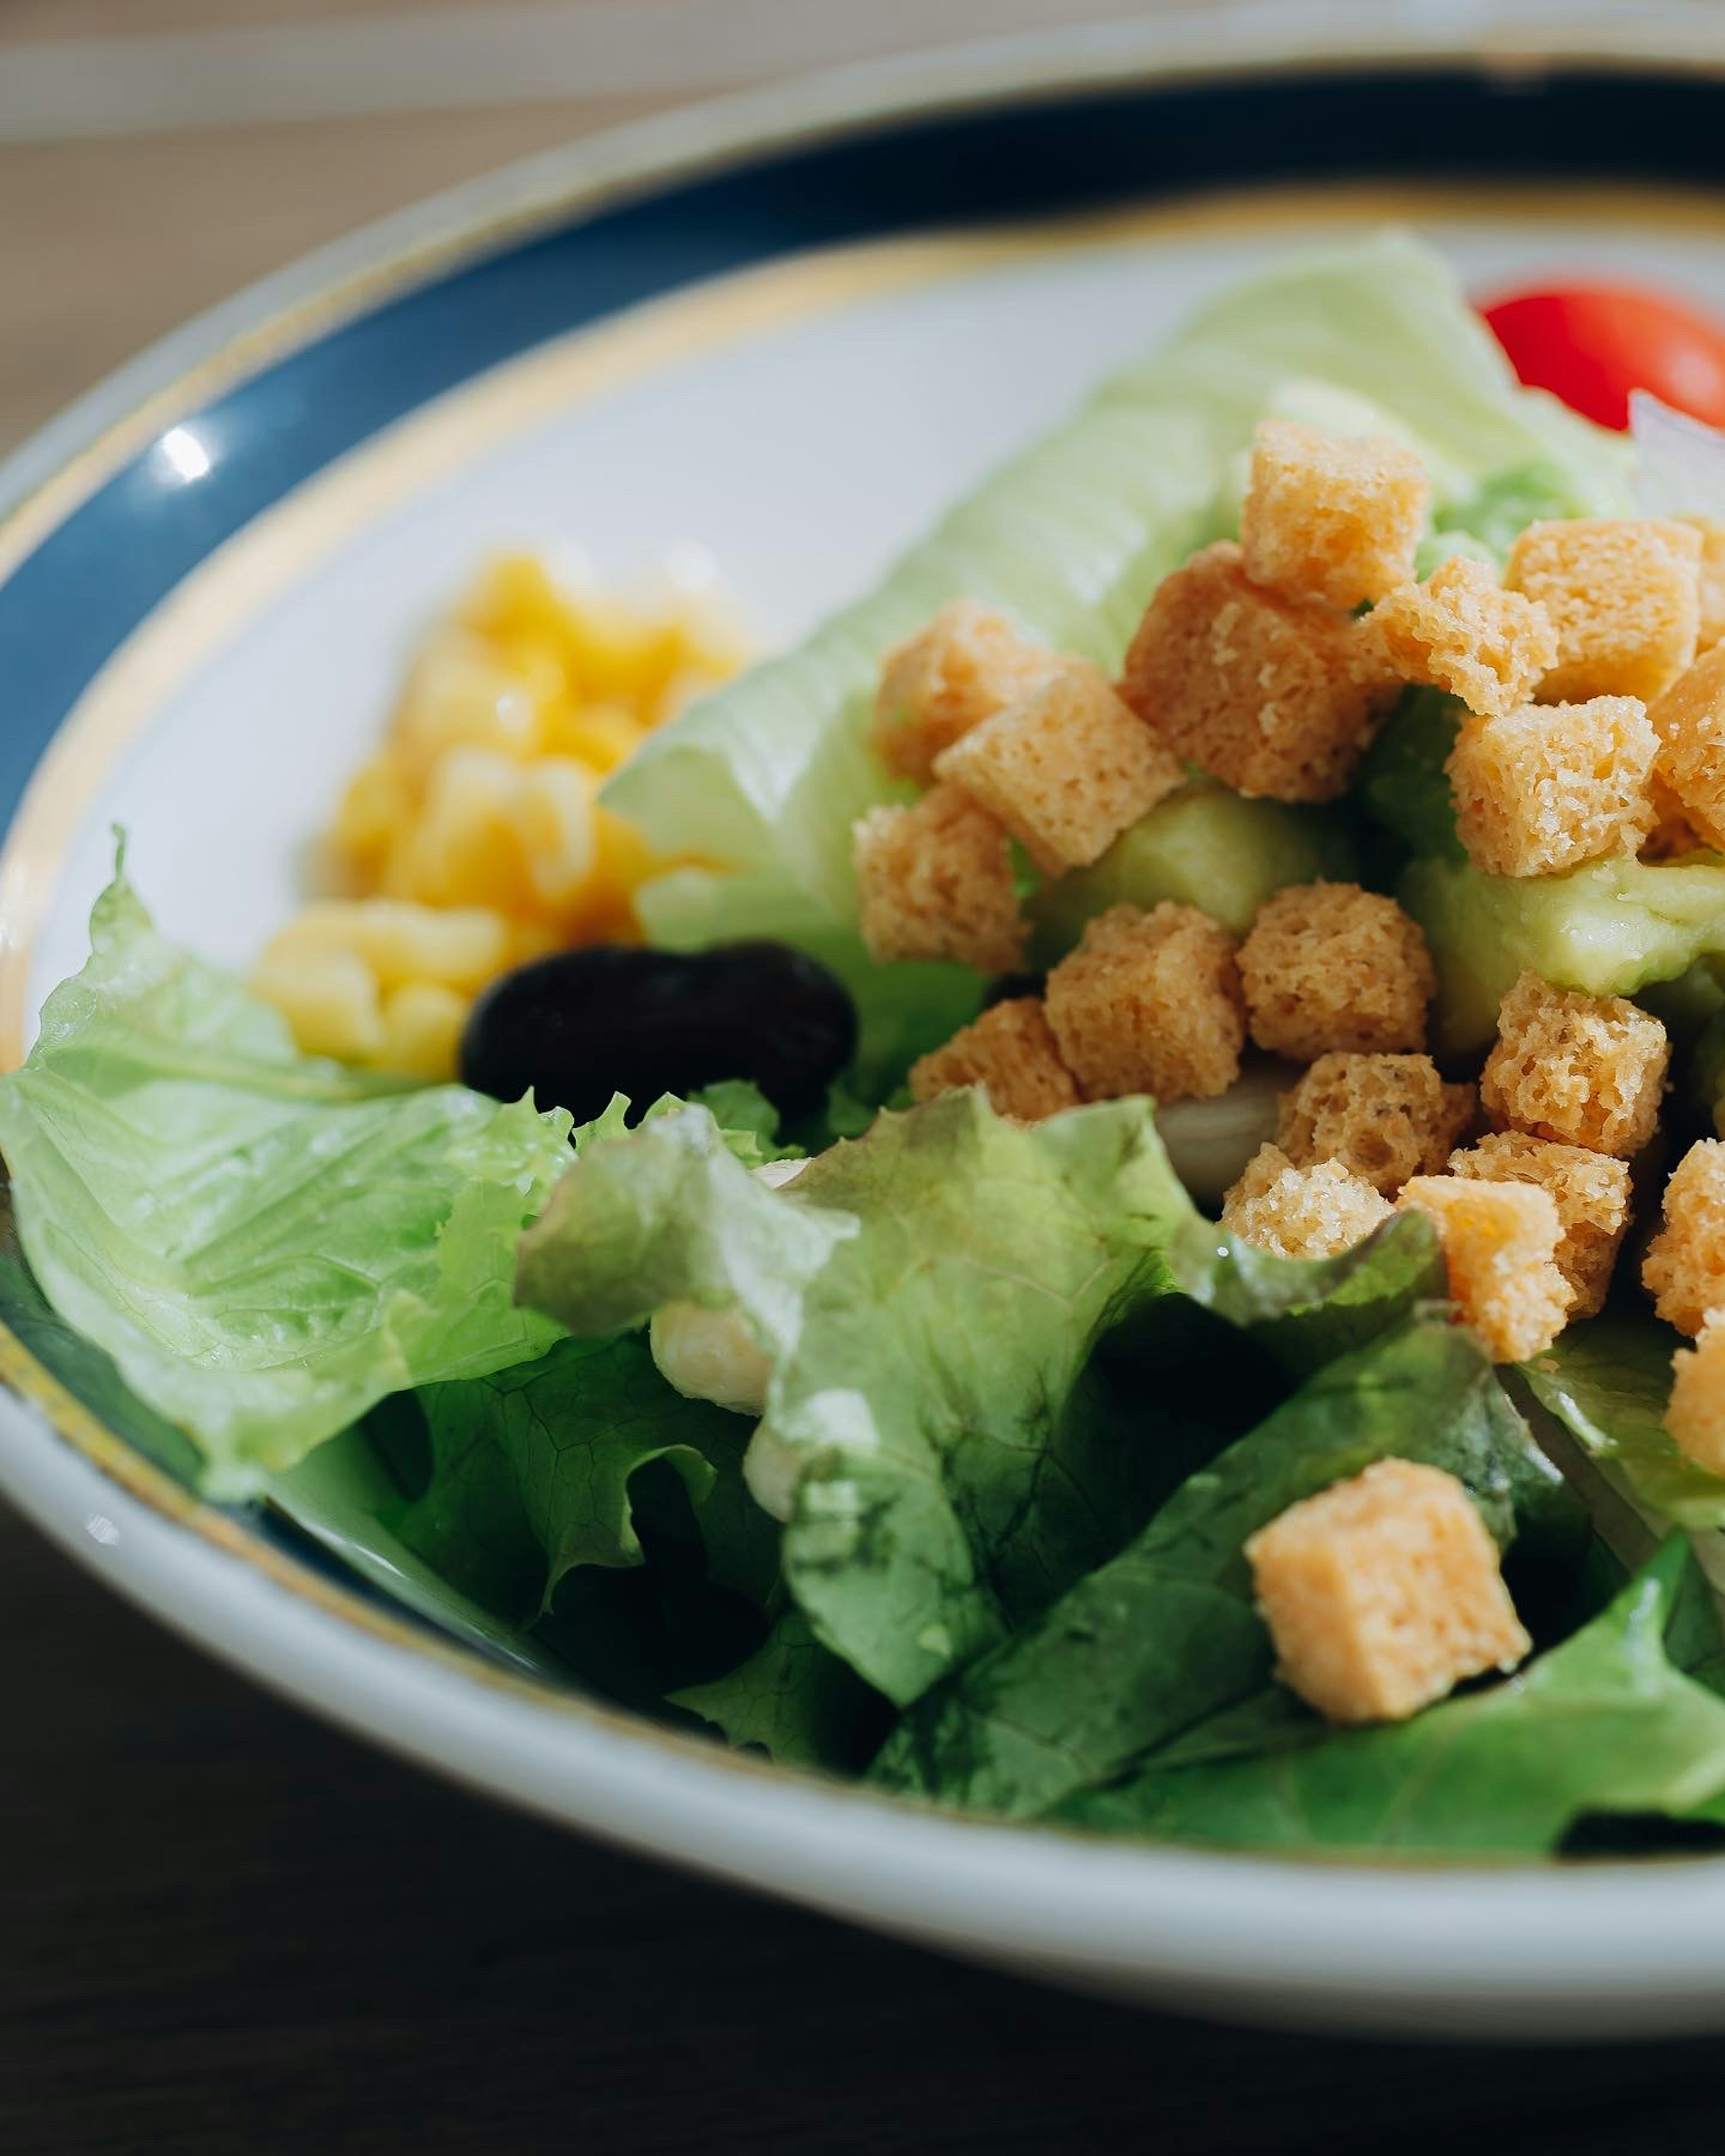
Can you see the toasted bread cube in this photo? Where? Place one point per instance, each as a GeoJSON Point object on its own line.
{"type": "Point", "coordinates": [1328, 966]}
{"type": "Point", "coordinates": [1384, 1117]}
{"type": "Point", "coordinates": [1547, 787]}
{"type": "Point", "coordinates": [1301, 1211]}
{"type": "Point", "coordinates": [1269, 695]}
{"type": "Point", "coordinates": [1500, 1242]}
{"type": "Point", "coordinates": [967, 664]}
{"type": "Point", "coordinates": [1623, 596]}
{"type": "Point", "coordinates": [1010, 1053]}
{"type": "Point", "coordinates": [935, 881]}
{"type": "Point", "coordinates": [1684, 1269]}
{"type": "Point", "coordinates": [1713, 580]}
{"type": "Point", "coordinates": [1383, 1592]}
{"type": "Point", "coordinates": [1673, 834]}
{"type": "Point", "coordinates": [1331, 520]}
{"type": "Point", "coordinates": [1150, 1002]}
{"type": "Point", "coordinates": [1590, 1190]}
{"type": "Point", "coordinates": [1688, 721]}
{"type": "Point", "coordinates": [1695, 1413]}
{"type": "Point", "coordinates": [1583, 1071]}
{"type": "Point", "coordinates": [1461, 631]}
{"type": "Point", "coordinates": [1066, 767]}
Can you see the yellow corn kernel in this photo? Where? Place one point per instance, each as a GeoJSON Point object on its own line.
{"type": "Point", "coordinates": [422, 1031]}
{"type": "Point", "coordinates": [400, 941]}
{"type": "Point", "coordinates": [530, 940]}
{"type": "Point", "coordinates": [378, 803]}
{"type": "Point", "coordinates": [616, 655]}
{"type": "Point", "coordinates": [551, 813]}
{"type": "Point", "coordinates": [329, 999]}
{"type": "Point", "coordinates": [464, 850]}
{"type": "Point", "coordinates": [459, 695]}
{"type": "Point", "coordinates": [516, 595]}
{"type": "Point", "coordinates": [602, 735]}
{"type": "Point", "coordinates": [623, 860]}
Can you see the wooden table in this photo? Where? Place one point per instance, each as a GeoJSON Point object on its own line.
{"type": "Point", "coordinates": [225, 1931]}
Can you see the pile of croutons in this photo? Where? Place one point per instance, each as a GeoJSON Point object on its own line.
{"type": "Point", "coordinates": [1590, 728]}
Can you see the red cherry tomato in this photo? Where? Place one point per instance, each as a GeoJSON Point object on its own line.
{"type": "Point", "coordinates": [1591, 344]}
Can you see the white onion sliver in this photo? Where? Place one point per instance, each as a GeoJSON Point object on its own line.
{"type": "Point", "coordinates": [1680, 461]}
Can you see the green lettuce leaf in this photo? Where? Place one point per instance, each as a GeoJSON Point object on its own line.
{"type": "Point", "coordinates": [794, 1700]}
{"type": "Point", "coordinates": [1607, 1382]}
{"type": "Point", "coordinates": [1403, 785]}
{"type": "Point", "coordinates": [931, 1296]}
{"type": "Point", "coordinates": [264, 1243]}
{"type": "Point", "coordinates": [1305, 1312]}
{"type": "Point", "coordinates": [1072, 536]}
{"type": "Point", "coordinates": [1168, 1634]}
{"type": "Point", "coordinates": [1605, 1723]}
{"type": "Point", "coordinates": [532, 1472]}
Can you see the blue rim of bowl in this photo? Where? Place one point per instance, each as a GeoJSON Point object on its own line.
{"type": "Point", "coordinates": [96, 529]}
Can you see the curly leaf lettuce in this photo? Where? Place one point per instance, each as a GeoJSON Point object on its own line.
{"type": "Point", "coordinates": [264, 1243]}
{"type": "Point", "coordinates": [1168, 1633]}
{"type": "Point", "coordinates": [930, 1296]}
{"type": "Point", "coordinates": [1606, 1724]}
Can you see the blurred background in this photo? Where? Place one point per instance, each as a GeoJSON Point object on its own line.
{"type": "Point", "coordinates": [158, 154]}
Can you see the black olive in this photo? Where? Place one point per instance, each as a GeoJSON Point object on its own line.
{"type": "Point", "coordinates": [1008, 987]}
{"type": "Point", "coordinates": [613, 1018]}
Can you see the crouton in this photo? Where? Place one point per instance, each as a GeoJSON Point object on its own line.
{"type": "Point", "coordinates": [1684, 1269]}
{"type": "Point", "coordinates": [1461, 631]}
{"type": "Point", "coordinates": [1547, 787]}
{"type": "Point", "coordinates": [1712, 582]}
{"type": "Point", "coordinates": [1383, 1592]}
{"type": "Point", "coordinates": [1500, 1242]}
{"type": "Point", "coordinates": [1688, 722]}
{"type": "Point", "coordinates": [1301, 1211]}
{"type": "Point", "coordinates": [1150, 1002]}
{"type": "Point", "coordinates": [1066, 767]}
{"type": "Point", "coordinates": [1010, 1053]}
{"type": "Point", "coordinates": [1590, 1190]}
{"type": "Point", "coordinates": [1331, 520]}
{"type": "Point", "coordinates": [959, 669]}
{"type": "Point", "coordinates": [1328, 966]}
{"type": "Point", "coordinates": [1270, 696]}
{"type": "Point", "coordinates": [935, 881]}
{"type": "Point", "coordinates": [1384, 1117]}
{"type": "Point", "coordinates": [1695, 1413]}
{"type": "Point", "coordinates": [1624, 598]}
{"type": "Point", "coordinates": [1583, 1071]}
{"type": "Point", "coordinates": [1673, 834]}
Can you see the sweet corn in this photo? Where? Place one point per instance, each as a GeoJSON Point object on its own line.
{"type": "Point", "coordinates": [422, 1031]}
{"type": "Point", "coordinates": [456, 947]}
{"type": "Point", "coordinates": [473, 840]}
{"type": "Point", "coordinates": [328, 997]}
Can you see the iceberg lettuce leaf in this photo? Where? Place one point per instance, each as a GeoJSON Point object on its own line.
{"type": "Point", "coordinates": [264, 1243]}
{"type": "Point", "coordinates": [1072, 535]}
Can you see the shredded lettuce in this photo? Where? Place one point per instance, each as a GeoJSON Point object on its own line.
{"type": "Point", "coordinates": [264, 1243]}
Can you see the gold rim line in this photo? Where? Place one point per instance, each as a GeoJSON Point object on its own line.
{"type": "Point", "coordinates": [257, 562]}
{"type": "Point", "coordinates": [687, 144]}
{"type": "Point", "coordinates": [214, 602]}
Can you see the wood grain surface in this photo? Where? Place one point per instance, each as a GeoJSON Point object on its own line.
{"type": "Point", "coordinates": [225, 1931]}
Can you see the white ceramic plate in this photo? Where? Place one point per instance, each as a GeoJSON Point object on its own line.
{"type": "Point", "coordinates": [736, 331]}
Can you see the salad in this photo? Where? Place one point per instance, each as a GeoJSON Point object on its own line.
{"type": "Point", "coordinates": [1119, 1219]}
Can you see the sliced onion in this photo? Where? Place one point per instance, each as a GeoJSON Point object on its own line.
{"type": "Point", "coordinates": [1680, 460]}
{"type": "Point", "coordinates": [1209, 1142]}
